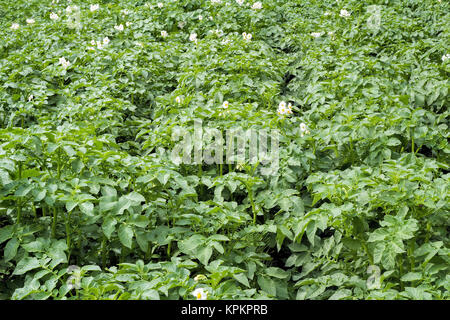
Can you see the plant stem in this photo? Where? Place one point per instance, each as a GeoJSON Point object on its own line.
{"type": "Point", "coordinates": [55, 219]}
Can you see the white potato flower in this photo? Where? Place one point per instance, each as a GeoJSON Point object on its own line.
{"type": "Point", "coordinates": [200, 294]}
{"type": "Point", "coordinates": [200, 17]}
{"type": "Point", "coordinates": [225, 105]}
{"type": "Point", "coordinates": [282, 109]}
{"type": "Point", "coordinates": [316, 34]}
{"type": "Point", "coordinates": [119, 27]}
{"type": "Point", "coordinates": [240, 2]}
{"type": "Point", "coordinates": [93, 42]}
{"type": "Point", "coordinates": [247, 36]}
{"type": "Point", "coordinates": [164, 33]}
{"type": "Point", "coordinates": [445, 57]}
{"type": "Point", "coordinates": [181, 24]}
{"type": "Point", "coordinates": [64, 62]}
{"type": "Point", "coordinates": [94, 7]}
{"type": "Point", "coordinates": [31, 97]}
{"type": "Point", "coordinates": [257, 5]}
{"type": "Point", "coordinates": [15, 26]}
{"type": "Point", "coordinates": [344, 13]}
{"type": "Point", "coordinates": [106, 40]}
{"type": "Point", "coordinates": [193, 37]}
{"type": "Point", "coordinates": [160, 5]}
{"type": "Point", "coordinates": [289, 108]}
{"type": "Point", "coordinates": [30, 21]}
{"type": "Point", "coordinates": [304, 129]}
{"type": "Point", "coordinates": [128, 23]}
{"type": "Point", "coordinates": [54, 16]}
{"type": "Point", "coordinates": [178, 100]}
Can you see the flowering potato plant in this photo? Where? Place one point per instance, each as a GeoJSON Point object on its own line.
{"type": "Point", "coordinates": [118, 123]}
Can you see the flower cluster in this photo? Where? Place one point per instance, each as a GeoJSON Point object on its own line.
{"type": "Point", "coordinates": [164, 33]}
{"type": "Point", "coordinates": [94, 7]}
{"type": "Point", "coordinates": [344, 13]}
{"type": "Point", "coordinates": [303, 129]}
{"type": "Point", "coordinates": [99, 44]}
{"type": "Point", "coordinates": [247, 36]}
{"type": "Point", "coordinates": [15, 26]}
{"type": "Point", "coordinates": [257, 5]}
{"type": "Point", "coordinates": [65, 64]}
{"type": "Point", "coordinates": [193, 38]}
{"type": "Point", "coordinates": [284, 109]}
{"type": "Point", "coordinates": [446, 57]}
{"type": "Point", "coordinates": [54, 16]}
{"type": "Point", "coordinates": [119, 27]}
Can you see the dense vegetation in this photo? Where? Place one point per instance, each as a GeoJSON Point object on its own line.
{"type": "Point", "coordinates": [92, 206]}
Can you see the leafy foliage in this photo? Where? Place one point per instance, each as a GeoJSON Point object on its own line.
{"type": "Point", "coordinates": [84, 180]}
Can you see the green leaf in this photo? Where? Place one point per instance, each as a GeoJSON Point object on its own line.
{"type": "Point", "coordinates": [11, 249]}
{"type": "Point", "coordinates": [242, 278]}
{"type": "Point", "coordinates": [277, 273]}
{"type": "Point", "coordinates": [139, 221]}
{"type": "Point", "coordinates": [203, 254]}
{"type": "Point", "coordinates": [267, 285]}
{"type": "Point", "coordinates": [86, 208]}
{"type": "Point", "coordinates": [6, 233]}
{"type": "Point", "coordinates": [219, 237]}
{"type": "Point", "coordinates": [136, 197]}
{"type": "Point", "coordinates": [125, 235]}
{"type": "Point", "coordinates": [25, 265]}
{"type": "Point", "coordinates": [411, 276]}
{"type": "Point", "coordinates": [311, 231]}
{"type": "Point", "coordinates": [108, 226]}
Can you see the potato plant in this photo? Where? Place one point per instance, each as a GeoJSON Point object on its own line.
{"type": "Point", "coordinates": [96, 97]}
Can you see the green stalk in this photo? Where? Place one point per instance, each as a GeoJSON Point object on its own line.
{"type": "Point", "coordinates": [200, 174]}
{"type": "Point", "coordinates": [364, 245]}
{"type": "Point", "coordinates": [168, 248]}
{"type": "Point", "coordinates": [68, 231]}
{"type": "Point", "coordinates": [55, 220]}
{"type": "Point", "coordinates": [400, 265]}
{"type": "Point", "coordinates": [19, 202]}
{"type": "Point", "coordinates": [59, 164]}
{"type": "Point", "coordinates": [250, 195]}
{"type": "Point", "coordinates": [104, 251]}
